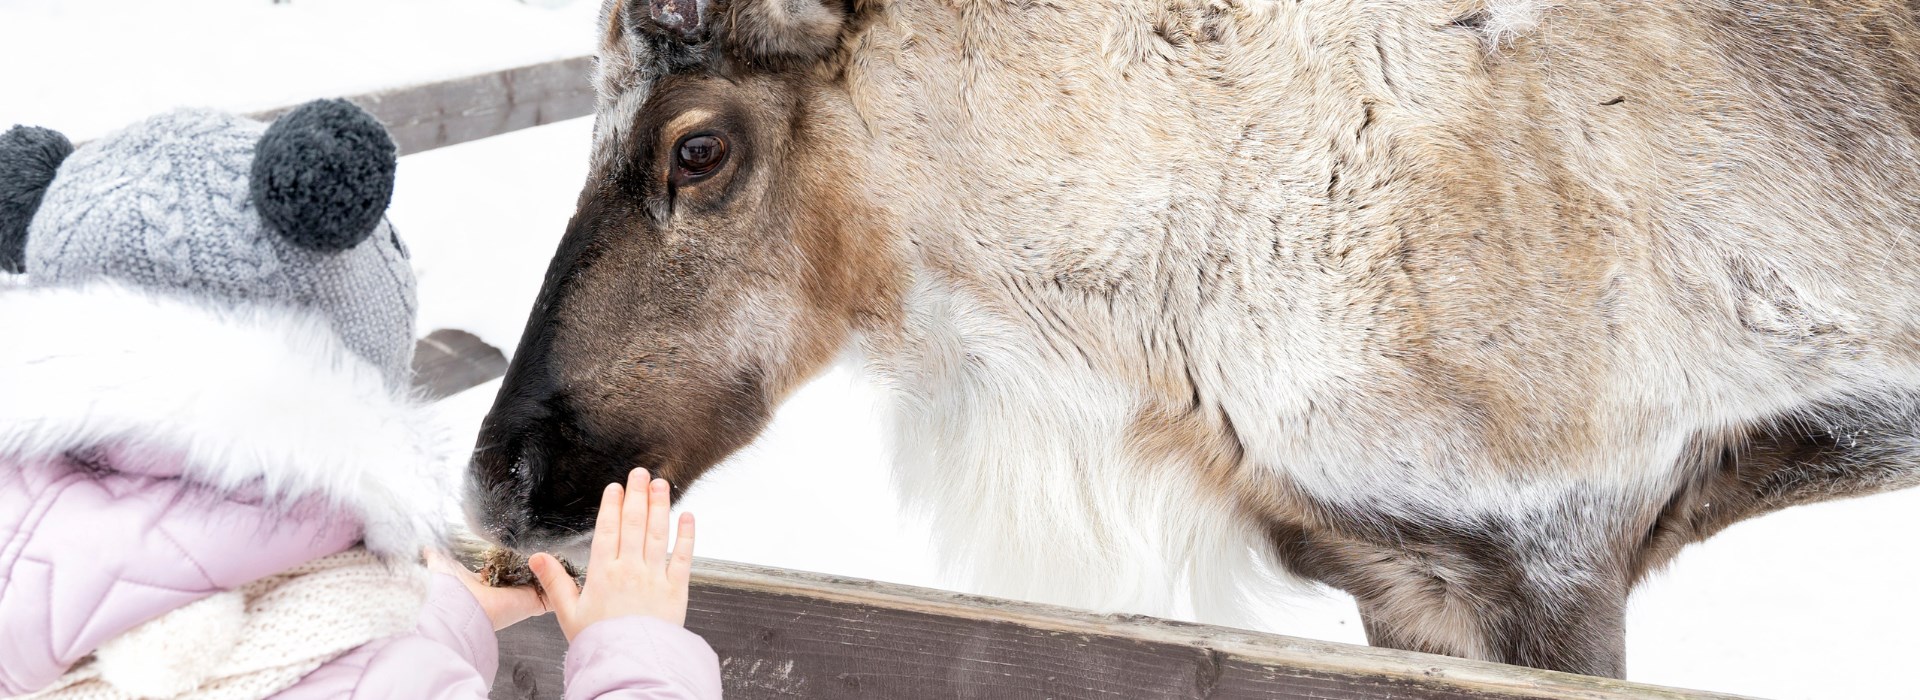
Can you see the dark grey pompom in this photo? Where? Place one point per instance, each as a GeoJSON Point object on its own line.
{"type": "Point", "coordinates": [29, 156]}
{"type": "Point", "coordinates": [323, 175]}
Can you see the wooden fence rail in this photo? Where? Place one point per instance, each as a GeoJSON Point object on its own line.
{"type": "Point", "coordinates": [793, 634]}
{"type": "Point", "coordinates": [431, 115]}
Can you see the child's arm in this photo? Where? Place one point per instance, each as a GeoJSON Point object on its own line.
{"type": "Point", "coordinates": [462, 612]}
{"type": "Point", "coordinates": [625, 626]}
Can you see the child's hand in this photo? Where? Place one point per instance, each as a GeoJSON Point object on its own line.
{"type": "Point", "coordinates": [504, 606]}
{"type": "Point", "coordinates": [629, 572]}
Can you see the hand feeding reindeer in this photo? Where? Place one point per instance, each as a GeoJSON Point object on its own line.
{"type": "Point", "coordinates": [1479, 311]}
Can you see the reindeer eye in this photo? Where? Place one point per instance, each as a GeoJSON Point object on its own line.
{"type": "Point", "coordinates": [699, 155]}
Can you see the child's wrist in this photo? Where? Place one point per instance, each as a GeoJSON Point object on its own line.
{"type": "Point", "coordinates": [625, 620]}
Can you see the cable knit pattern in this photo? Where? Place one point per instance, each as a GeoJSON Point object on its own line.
{"type": "Point", "coordinates": [166, 204]}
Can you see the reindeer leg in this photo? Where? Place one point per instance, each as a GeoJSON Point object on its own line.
{"type": "Point", "coordinates": [1468, 592]}
{"type": "Point", "coordinates": [1547, 593]}
{"type": "Point", "coordinates": [1577, 628]}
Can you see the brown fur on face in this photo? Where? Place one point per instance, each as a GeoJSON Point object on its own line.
{"type": "Point", "coordinates": [1476, 309]}
{"type": "Point", "coordinates": [680, 308]}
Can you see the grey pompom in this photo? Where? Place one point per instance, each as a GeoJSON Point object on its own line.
{"type": "Point", "coordinates": [29, 158]}
{"type": "Point", "coordinates": [323, 175]}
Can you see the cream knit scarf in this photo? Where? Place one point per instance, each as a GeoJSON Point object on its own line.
{"type": "Point", "coordinates": [256, 640]}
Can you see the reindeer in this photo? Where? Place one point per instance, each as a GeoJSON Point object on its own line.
{"type": "Point", "coordinates": [1477, 310]}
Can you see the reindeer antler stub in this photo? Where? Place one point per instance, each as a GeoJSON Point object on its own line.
{"type": "Point", "coordinates": [686, 19]}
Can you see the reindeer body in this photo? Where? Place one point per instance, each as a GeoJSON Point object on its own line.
{"type": "Point", "coordinates": [1477, 311]}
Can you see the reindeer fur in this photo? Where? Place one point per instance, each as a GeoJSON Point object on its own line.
{"type": "Point", "coordinates": [1476, 310]}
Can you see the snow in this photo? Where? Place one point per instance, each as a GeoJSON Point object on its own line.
{"type": "Point", "coordinates": [89, 67]}
{"type": "Point", "coordinates": [1809, 603]}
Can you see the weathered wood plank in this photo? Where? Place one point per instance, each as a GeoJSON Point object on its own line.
{"type": "Point", "coordinates": [448, 361]}
{"type": "Point", "coordinates": [530, 656]}
{"type": "Point", "coordinates": [431, 115]}
{"type": "Point", "coordinates": [790, 634]}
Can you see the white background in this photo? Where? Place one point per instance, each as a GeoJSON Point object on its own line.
{"type": "Point", "coordinates": [1811, 603]}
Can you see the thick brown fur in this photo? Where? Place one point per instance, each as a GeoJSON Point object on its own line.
{"type": "Point", "coordinates": [1479, 310]}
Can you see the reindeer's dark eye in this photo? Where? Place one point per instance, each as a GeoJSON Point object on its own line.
{"type": "Point", "coordinates": [698, 156]}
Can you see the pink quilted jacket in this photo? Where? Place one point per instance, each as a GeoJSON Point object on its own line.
{"type": "Point", "coordinates": [154, 452]}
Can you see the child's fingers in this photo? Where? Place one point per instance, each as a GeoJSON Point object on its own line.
{"type": "Point", "coordinates": [606, 527]}
{"type": "Point", "coordinates": [659, 508]}
{"type": "Point", "coordinates": [633, 516]}
{"type": "Point", "coordinates": [680, 569]}
{"type": "Point", "coordinates": [562, 592]}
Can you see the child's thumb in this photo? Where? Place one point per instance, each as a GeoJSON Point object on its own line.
{"type": "Point", "coordinates": [559, 585]}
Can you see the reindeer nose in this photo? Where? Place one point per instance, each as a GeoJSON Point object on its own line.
{"type": "Point", "coordinates": [488, 527]}
{"type": "Point", "coordinates": [504, 476]}
{"type": "Point", "coordinates": [496, 505]}
{"type": "Point", "coordinates": [535, 475]}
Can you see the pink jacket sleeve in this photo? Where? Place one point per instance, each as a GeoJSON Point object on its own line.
{"type": "Point", "coordinates": [641, 658]}
{"type": "Point", "coordinates": [451, 655]}
{"type": "Point", "coordinates": [454, 619]}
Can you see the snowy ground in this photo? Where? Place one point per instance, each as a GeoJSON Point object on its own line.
{"type": "Point", "coordinates": [1812, 603]}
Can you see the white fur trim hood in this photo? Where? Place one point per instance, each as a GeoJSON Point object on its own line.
{"type": "Point", "coordinates": [251, 398]}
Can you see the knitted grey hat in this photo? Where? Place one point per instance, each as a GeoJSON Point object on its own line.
{"type": "Point", "coordinates": [222, 208]}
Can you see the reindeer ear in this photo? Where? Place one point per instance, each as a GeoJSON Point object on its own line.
{"type": "Point", "coordinates": [785, 30]}
{"type": "Point", "coordinates": [29, 157]}
{"type": "Point", "coordinates": [323, 175]}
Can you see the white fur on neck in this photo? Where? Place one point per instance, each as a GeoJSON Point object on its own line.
{"type": "Point", "coordinates": [1023, 464]}
{"type": "Point", "coordinates": [250, 397]}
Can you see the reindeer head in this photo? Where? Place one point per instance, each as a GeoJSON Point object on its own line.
{"type": "Point", "coordinates": [722, 252]}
